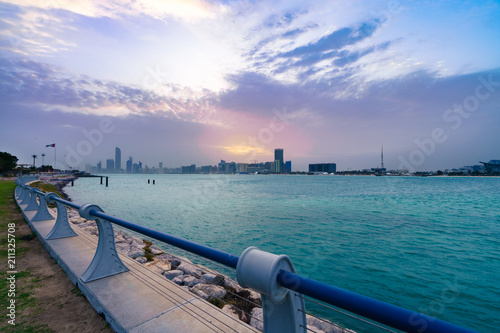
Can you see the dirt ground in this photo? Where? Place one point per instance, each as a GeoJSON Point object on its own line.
{"type": "Point", "coordinates": [46, 299]}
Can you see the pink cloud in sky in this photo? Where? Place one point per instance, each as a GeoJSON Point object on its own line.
{"type": "Point", "coordinates": [251, 137]}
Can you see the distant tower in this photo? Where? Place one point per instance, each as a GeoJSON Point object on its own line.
{"type": "Point", "coordinates": [278, 160]}
{"type": "Point", "coordinates": [130, 163]}
{"type": "Point", "coordinates": [382, 158]}
{"type": "Point", "coordinates": [118, 160]}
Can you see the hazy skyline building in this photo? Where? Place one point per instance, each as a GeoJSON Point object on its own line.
{"type": "Point", "coordinates": [279, 161]}
{"type": "Point", "coordinates": [130, 163]}
{"type": "Point", "coordinates": [110, 165]}
{"type": "Point", "coordinates": [323, 167]}
{"type": "Point", "coordinates": [118, 159]}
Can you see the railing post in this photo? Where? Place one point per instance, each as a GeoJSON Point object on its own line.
{"type": "Point", "coordinates": [61, 228]}
{"type": "Point", "coordinates": [33, 204]}
{"type": "Point", "coordinates": [106, 261]}
{"type": "Point", "coordinates": [284, 309]}
{"type": "Point", "coordinates": [25, 197]}
{"type": "Point", "coordinates": [42, 213]}
{"type": "Point", "coordinates": [17, 191]}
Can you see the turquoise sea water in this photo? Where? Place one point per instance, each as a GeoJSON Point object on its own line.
{"type": "Point", "coordinates": [427, 244]}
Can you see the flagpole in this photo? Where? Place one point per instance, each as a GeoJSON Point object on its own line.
{"type": "Point", "coordinates": [55, 156]}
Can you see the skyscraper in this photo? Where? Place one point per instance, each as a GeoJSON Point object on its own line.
{"type": "Point", "coordinates": [110, 165]}
{"type": "Point", "coordinates": [118, 160]}
{"type": "Point", "coordinates": [278, 160]}
{"type": "Point", "coordinates": [130, 162]}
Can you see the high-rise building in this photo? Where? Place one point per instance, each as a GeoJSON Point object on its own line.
{"type": "Point", "coordinates": [110, 165]}
{"type": "Point", "coordinates": [279, 161]}
{"type": "Point", "coordinates": [323, 167]}
{"type": "Point", "coordinates": [222, 166]}
{"type": "Point", "coordinates": [130, 163]}
{"type": "Point", "coordinates": [118, 160]}
{"type": "Point", "coordinates": [288, 166]}
{"type": "Point", "coordinates": [189, 168]}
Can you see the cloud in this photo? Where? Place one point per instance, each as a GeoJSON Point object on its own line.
{"type": "Point", "coordinates": [30, 82]}
{"type": "Point", "coordinates": [188, 10]}
{"type": "Point", "coordinates": [335, 41]}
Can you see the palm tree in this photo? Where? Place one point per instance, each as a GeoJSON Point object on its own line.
{"type": "Point", "coordinates": [34, 158]}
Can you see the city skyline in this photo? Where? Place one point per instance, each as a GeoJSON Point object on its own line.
{"type": "Point", "coordinates": [256, 166]}
{"type": "Point", "coordinates": [211, 80]}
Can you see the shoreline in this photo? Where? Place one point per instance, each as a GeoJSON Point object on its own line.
{"type": "Point", "coordinates": [216, 288]}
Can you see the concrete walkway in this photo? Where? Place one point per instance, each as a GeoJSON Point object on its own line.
{"type": "Point", "coordinates": [138, 300]}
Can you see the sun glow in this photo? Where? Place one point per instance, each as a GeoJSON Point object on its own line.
{"type": "Point", "coordinates": [245, 150]}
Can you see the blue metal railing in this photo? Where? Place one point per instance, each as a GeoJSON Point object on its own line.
{"type": "Point", "coordinates": [221, 257]}
{"type": "Point", "coordinates": [379, 311]}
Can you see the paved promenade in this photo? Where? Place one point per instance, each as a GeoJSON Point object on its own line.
{"type": "Point", "coordinates": [138, 300]}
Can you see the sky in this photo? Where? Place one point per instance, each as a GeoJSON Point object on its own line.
{"type": "Point", "coordinates": [194, 81]}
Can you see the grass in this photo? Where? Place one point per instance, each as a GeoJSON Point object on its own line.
{"type": "Point", "coordinates": [9, 213]}
{"type": "Point", "coordinates": [44, 187]}
{"type": "Point", "coordinates": [44, 298]}
{"type": "Point", "coordinates": [148, 254]}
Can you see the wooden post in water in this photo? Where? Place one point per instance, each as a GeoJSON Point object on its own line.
{"type": "Point", "coordinates": [149, 181]}
{"type": "Point", "coordinates": [106, 181]}
{"type": "Point", "coordinates": [72, 183]}
{"type": "Point", "coordinates": [153, 181]}
{"type": "Point", "coordinates": [101, 180]}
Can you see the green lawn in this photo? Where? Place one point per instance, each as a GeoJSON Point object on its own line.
{"type": "Point", "coordinates": [10, 213]}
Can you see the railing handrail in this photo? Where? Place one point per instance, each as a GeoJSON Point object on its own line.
{"type": "Point", "coordinates": [379, 311]}
{"type": "Point", "coordinates": [371, 308]}
{"type": "Point", "coordinates": [219, 256]}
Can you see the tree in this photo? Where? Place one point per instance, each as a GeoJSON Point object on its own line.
{"type": "Point", "coordinates": [7, 162]}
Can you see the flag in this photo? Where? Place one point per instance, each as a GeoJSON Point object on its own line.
{"type": "Point", "coordinates": [52, 145]}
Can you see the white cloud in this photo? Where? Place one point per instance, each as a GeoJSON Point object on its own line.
{"type": "Point", "coordinates": [189, 10]}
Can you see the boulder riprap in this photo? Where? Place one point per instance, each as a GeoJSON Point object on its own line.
{"type": "Point", "coordinates": [237, 302]}
{"type": "Point", "coordinates": [209, 291]}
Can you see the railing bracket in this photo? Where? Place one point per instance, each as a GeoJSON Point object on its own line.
{"type": "Point", "coordinates": [106, 261]}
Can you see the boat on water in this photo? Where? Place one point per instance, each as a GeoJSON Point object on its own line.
{"type": "Point", "coordinates": [492, 166]}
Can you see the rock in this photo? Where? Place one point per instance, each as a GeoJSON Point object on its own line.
{"type": "Point", "coordinates": [155, 250]}
{"type": "Point", "coordinates": [141, 260]}
{"type": "Point", "coordinates": [163, 264]}
{"type": "Point", "coordinates": [136, 242]}
{"type": "Point", "coordinates": [254, 296]}
{"type": "Point", "coordinates": [232, 285]}
{"type": "Point", "coordinates": [231, 311]}
{"type": "Point", "coordinates": [209, 290]}
{"type": "Point", "coordinates": [120, 239]}
{"type": "Point", "coordinates": [174, 260]}
{"type": "Point", "coordinates": [178, 279]}
{"type": "Point", "coordinates": [216, 279]}
{"type": "Point", "coordinates": [208, 278]}
{"type": "Point", "coordinates": [135, 252]}
{"type": "Point", "coordinates": [192, 281]}
{"type": "Point", "coordinates": [78, 220]}
{"type": "Point", "coordinates": [190, 269]}
{"type": "Point", "coordinates": [219, 280]}
{"type": "Point", "coordinates": [87, 224]}
{"type": "Point", "coordinates": [257, 320]}
{"type": "Point", "coordinates": [321, 325]}
{"type": "Point", "coordinates": [172, 274]}
{"type": "Point", "coordinates": [154, 268]}
{"type": "Point", "coordinates": [123, 247]}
